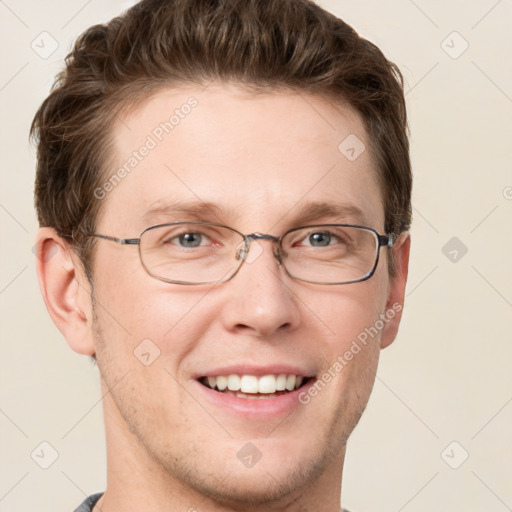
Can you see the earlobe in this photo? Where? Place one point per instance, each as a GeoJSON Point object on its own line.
{"type": "Point", "coordinates": [396, 294]}
{"type": "Point", "coordinates": [65, 290]}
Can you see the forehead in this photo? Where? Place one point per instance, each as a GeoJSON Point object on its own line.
{"type": "Point", "coordinates": [222, 154]}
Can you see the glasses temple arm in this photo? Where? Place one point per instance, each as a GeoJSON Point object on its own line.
{"type": "Point", "coordinates": [386, 240]}
{"type": "Point", "coordinates": [122, 241]}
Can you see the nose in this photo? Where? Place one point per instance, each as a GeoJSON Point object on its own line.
{"type": "Point", "coordinates": [259, 298]}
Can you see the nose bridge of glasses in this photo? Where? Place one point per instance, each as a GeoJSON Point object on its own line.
{"type": "Point", "coordinates": [243, 251]}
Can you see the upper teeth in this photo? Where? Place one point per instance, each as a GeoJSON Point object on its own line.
{"type": "Point", "coordinates": [254, 384]}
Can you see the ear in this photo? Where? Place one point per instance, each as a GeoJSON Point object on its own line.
{"type": "Point", "coordinates": [396, 295]}
{"type": "Point", "coordinates": [65, 289]}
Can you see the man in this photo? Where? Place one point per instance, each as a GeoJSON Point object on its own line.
{"type": "Point", "coordinates": [223, 189]}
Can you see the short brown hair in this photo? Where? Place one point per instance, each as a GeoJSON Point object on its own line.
{"type": "Point", "coordinates": [260, 44]}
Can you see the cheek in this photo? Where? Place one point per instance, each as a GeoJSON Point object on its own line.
{"type": "Point", "coordinates": [352, 317]}
{"type": "Point", "coordinates": [141, 343]}
{"type": "Point", "coordinates": [135, 306]}
{"type": "Point", "coordinates": [348, 311]}
{"type": "Point", "coordinates": [146, 325]}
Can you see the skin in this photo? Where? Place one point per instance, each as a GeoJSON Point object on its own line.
{"type": "Point", "coordinates": [259, 158]}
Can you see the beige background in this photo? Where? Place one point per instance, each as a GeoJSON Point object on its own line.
{"type": "Point", "coordinates": [447, 377]}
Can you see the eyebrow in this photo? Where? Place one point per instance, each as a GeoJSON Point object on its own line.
{"type": "Point", "coordinates": [193, 210]}
{"type": "Point", "coordinates": [311, 212]}
{"type": "Point", "coordinates": [212, 212]}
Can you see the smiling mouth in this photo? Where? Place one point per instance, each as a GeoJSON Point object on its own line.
{"type": "Point", "coordinates": [253, 387]}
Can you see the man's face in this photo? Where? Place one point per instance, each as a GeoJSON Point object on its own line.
{"type": "Point", "coordinates": [257, 161]}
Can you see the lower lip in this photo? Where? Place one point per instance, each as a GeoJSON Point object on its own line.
{"type": "Point", "coordinates": [281, 405]}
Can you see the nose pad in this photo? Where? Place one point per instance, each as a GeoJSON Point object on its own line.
{"type": "Point", "coordinates": [248, 255]}
{"type": "Point", "coordinates": [279, 256]}
{"type": "Point", "coordinates": [242, 250]}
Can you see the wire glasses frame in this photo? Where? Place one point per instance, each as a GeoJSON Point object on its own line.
{"type": "Point", "coordinates": [242, 246]}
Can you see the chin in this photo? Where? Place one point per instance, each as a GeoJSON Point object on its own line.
{"type": "Point", "coordinates": [262, 484]}
{"type": "Point", "coordinates": [285, 468]}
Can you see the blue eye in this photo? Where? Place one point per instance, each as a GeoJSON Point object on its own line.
{"type": "Point", "coordinates": [190, 239]}
{"type": "Point", "coordinates": [320, 239]}
{"type": "Point", "coordinates": [187, 240]}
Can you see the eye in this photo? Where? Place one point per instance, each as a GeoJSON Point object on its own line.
{"type": "Point", "coordinates": [188, 240]}
{"type": "Point", "coordinates": [321, 239]}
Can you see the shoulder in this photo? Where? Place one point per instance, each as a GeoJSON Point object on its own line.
{"type": "Point", "coordinates": [89, 502]}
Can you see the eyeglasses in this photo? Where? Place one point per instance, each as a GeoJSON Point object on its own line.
{"type": "Point", "coordinates": [205, 253]}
